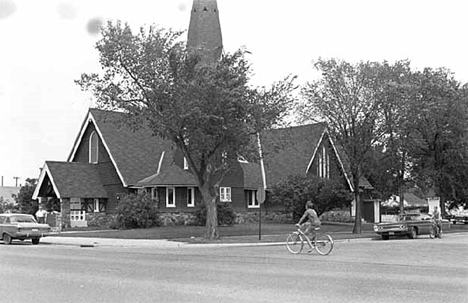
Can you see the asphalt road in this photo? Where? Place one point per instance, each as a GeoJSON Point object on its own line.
{"type": "Point", "coordinates": [362, 270]}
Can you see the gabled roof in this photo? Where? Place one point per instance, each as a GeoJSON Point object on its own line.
{"type": "Point", "coordinates": [288, 151]}
{"type": "Point", "coordinates": [72, 179]}
{"type": "Point", "coordinates": [135, 153]}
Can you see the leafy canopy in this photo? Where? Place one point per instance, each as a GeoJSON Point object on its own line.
{"type": "Point", "coordinates": [205, 107]}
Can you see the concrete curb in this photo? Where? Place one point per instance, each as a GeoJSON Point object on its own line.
{"type": "Point", "coordinates": [107, 242]}
{"type": "Point", "coordinates": [94, 242]}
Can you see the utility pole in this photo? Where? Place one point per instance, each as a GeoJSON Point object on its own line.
{"type": "Point", "coordinates": [16, 179]}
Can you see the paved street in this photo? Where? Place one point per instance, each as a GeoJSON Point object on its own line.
{"type": "Point", "coordinates": [361, 270]}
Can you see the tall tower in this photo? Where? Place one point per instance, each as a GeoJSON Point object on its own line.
{"type": "Point", "coordinates": [205, 30]}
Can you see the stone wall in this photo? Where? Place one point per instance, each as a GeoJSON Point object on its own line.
{"type": "Point", "coordinates": [171, 219]}
{"type": "Point", "coordinates": [343, 216]}
{"type": "Point", "coordinates": [65, 211]}
{"type": "Point", "coordinates": [270, 217]}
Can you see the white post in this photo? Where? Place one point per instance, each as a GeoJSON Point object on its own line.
{"type": "Point", "coordinates": [262, 167]}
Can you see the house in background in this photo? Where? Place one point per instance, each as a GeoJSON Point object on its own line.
{"type": "Point", "coordinates": [410, 201]}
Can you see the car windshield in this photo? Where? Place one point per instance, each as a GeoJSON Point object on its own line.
{"type": "Point", "coordinates": [408, 218]}
{"type": "Point", "coordinates": [22, 219]}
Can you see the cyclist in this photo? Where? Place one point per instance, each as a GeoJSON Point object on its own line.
{"type": "Point", "coordinates": [313, 220]}
{"type": "Point", "coordinates": [437, 218]}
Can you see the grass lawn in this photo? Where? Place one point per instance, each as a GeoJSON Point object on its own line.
{"type": "Point", "coordinates": [187, 232]}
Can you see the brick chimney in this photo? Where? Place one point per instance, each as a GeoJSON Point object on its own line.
{"type": "Point", "coordinates": [205, 30]}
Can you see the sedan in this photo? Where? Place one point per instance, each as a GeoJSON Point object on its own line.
{"type": "Point", "coordinates": [22, 227]}
{"type": "Point", "coordinates": [408, 225]}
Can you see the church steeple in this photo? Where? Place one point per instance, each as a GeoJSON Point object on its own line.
{"type": "Point", "coordinates": [205, 30]}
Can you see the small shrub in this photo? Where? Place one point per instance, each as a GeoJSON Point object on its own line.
{"type": "Point", "coordinates": [226, 216]}
{"type": "Point", "coordinates": [136, 211]}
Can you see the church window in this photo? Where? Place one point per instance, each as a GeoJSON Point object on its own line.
{"type": "Point", "coordinates": [324, 164]}
{"type": "Point", "coordinates": [93, 148]}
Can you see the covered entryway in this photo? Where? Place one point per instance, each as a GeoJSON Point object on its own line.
{"type": "Point", "coordinates": [78, 188]}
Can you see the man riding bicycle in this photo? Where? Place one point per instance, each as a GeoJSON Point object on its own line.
{"type": "Point", "coordinates": [313, 220]}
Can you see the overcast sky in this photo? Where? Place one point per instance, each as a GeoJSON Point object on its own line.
{"type": "Point", "coordinates": [46, 44]}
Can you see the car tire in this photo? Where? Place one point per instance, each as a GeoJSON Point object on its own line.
{"type": "Point", "coordinates": [35, 241]}
{"type": "Point", "coordinates": [385, 237]}
{"type": "Point", "coordinates": [7, 239]}
{"type": "Point", "coordinates": [413, 233]}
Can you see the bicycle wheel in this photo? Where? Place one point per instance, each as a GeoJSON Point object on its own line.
{"type": "Point", "coordinates": [294, 243]}
{"type": "Point", "coordinates": [323, 244]}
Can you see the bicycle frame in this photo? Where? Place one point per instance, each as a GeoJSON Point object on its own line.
{"type": "Point", "coordinates": [308, 240]}
{"type": "Point", "coordinates": [322, 243]}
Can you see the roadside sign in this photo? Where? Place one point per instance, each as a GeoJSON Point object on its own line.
{"type": "Point", "coordinates": [261, 195]}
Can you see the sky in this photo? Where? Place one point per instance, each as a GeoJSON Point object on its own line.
{"type": "Point", "coordinates": [47, 44]}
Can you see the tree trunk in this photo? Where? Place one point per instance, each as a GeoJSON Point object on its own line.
{"type": "Point", "coordinates": [401, 185]}
{"type": "Point", "coordinates": [357, 219]}
{"type": "Point", "coordinates": [442, 200]}
{"type": "Point", "coordinates": [211, 213]}
{"type": "Point", "coordinates": [402, 200]}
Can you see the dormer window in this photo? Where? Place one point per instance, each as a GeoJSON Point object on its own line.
{"type": "Point", "coordinates": [93, 148]}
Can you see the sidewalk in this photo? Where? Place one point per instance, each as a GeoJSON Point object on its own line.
{"type": "Point", "coordinates": [250, 240]}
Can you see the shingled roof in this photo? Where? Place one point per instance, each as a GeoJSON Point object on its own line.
{"type": "Point", "coordinates": [288, 151]}
{"type": "Point", "coordinates": [74, 179]}
{"type": "Point", "coordinates": [135, 152]}
{"type": "Point", "coordinates": [252, 175]}
{"type": "Point", "coordinates": [173, 175]}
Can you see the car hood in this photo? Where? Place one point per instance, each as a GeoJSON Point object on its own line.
{"type": "Point", "coordinates": [392, 223]}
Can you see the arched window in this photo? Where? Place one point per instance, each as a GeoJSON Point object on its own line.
{"type": "Point", "coordinates": [93, 148]}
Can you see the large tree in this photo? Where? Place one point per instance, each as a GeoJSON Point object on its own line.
{"type": "Point", "coordinates": [208, 109]}
{"type": "Point", "coordinates": [440, 141]}
{"type": "Point", "coordinates": [396, 91]}
{"type": "Point", "coordinates": [348, 98]}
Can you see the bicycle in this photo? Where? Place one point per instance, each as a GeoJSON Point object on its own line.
{"type": "Point", "coordinates": [434, 230]}
{"type": "Point", "coordinates": [322, 243]}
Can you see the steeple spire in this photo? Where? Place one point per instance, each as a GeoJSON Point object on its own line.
{"type": "Point", "coordinates": [205, 30]}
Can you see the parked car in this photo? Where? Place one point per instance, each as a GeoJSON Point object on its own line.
{"type": "Point", "coordinates": [408, 225]}
{"type": "Point", "coordinates": [460, 218]}
{"type": "Point", "coordinates": [21, 227]}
